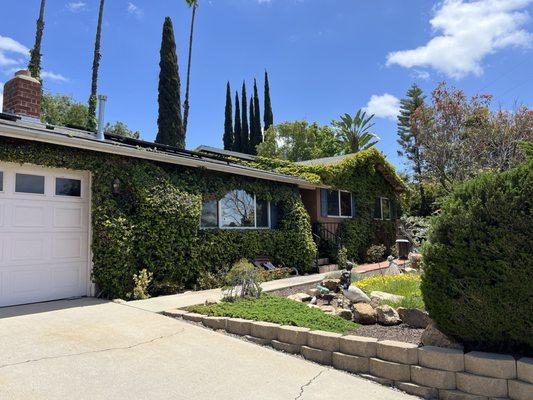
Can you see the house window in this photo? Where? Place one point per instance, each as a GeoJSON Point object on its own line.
{"type": "Point", "coordinates": [1, 181]}
{"type": "Point", "coordinates": [382, 208]}
{"type": "Point", "coordinates": [68, 187]}
{"type": "Point", "coordinates": [339, 204]}
{"type": "Point", "coordinates": [25, 183]}
{"type": "Point", "coordinates": [238, 209]}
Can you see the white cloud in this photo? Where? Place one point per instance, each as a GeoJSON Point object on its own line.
{"type": "Point", "coordinates": [1, 95]}
{"type": "Point", "coordinates": [135, 10]}
{"type": "Point", "coordinates": [420, 74]}
{"type": "Point", "coordinates": [383, 106]}
{"type": "Point", "coordinates": [9, 50]}
{"type": "Point", "coordinates": [469, 31]}
{"type": "Point", "coordinates": [263, 1]}
{"type": "Point", "coordinates": [53, 76]}
{"type": "Point", "coordinates": [75, 6]}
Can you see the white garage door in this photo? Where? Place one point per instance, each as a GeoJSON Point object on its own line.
{"type": "Point", "coordinates": [44, 234]}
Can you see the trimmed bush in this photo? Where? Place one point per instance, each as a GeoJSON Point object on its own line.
{"type": "Point", "coordinates": [478, 282]}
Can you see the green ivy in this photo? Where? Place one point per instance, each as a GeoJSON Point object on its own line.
{"type": "Point", "coordinates": [154, 222]}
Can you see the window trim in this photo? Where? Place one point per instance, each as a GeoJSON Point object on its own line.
{"type": "Point", "coordinates": [340, 208]}
{"type": "Point", "coordinates": [56, 177]}
{"type": "Point", "coordinates": [16, 192]}
{"type": "Point", "coordinates": [381, 210]}
{"type": "Point", "coordinates": [219, 219]}
{"type": "Point", "coordinates": [2, 180]}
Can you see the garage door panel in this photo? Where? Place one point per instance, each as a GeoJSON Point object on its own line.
{"type": "Point", "coordinates": [68, 217]}
{"type": "Point", "coordinates": [31, 216]}
{"type": "Point", "coordinates": [31, 247]}
{"type": "Point", "coordinates": [25, 281]}
{"type": "Point", "coordinates": [69, 246]}
{"type": "Point", "coordinates": [68, 277]}
{"type": "Point", "coordinates": [2, 211]}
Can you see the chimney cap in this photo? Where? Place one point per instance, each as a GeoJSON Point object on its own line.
{"type": "Point", "coordinates": [24, 72]}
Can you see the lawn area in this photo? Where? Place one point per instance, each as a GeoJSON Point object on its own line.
{"type": "Point", "coordinates": [407, 285]}
{"type": "Point", "coordinates": [279, 310]}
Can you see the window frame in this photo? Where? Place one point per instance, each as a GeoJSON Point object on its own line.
{"type": "Point", "coordinates": [16, 192]}
{"type": "Point", "coordinates": [340, 207]}
{"type": "Point", "coordinates": [54, 188]}
{"type": "Point", "coordinates": [381, 209]}
{"type": "Point", "coordinates": [2, 176]}
{"type": "Point", "coordinates": [219, 217]}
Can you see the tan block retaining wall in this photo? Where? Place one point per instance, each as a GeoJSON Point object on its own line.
{"type": "Point", "coordinates": [428, 372]}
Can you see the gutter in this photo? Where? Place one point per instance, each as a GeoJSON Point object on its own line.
{"type": "Point", "coordinates": [63, 139]}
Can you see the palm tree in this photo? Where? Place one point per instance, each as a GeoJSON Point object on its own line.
{"type": "Point", "coordinates": [91, 114]}
{"type": "Point", "coordinates": [354, 132]}
{"type": "Point", "coordinates": [193, 4]}
{"type": "Point", "coordinates": [35, 54]}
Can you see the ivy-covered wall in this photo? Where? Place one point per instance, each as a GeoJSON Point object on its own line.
{"type": "Point", "coordinates": [154, 222]}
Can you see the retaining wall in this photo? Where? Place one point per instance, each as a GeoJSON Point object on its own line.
{"type": "Point", "coordinates": [429, 372]}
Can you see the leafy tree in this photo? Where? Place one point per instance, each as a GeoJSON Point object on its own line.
{"type": "Point", "coordinates": [62, 110]}
{"type": "Point", "coordinates": [409, 141]}
{"type": "Point", "coordinates": [237, 144]}
{"type": "Point", "coordinates": [268, 117]}
{"type": "Point", "coordinates": [245, 133]}
{"type": "Point", "coordinates": [228, 125]}
{"type": "Point", "coordinates": [256, 134]}
{"type": "Point", "coordinates": [35, 53]}
{"type": "Point", "coordinates": [120, 128]}
{"type": "Point", "coordinates": [299, 141]}
{"type": "Point", "coordinates": [354, 132]}
{"type": "Point", "coordinates": [91, 114]}
{"type": "Point", "coordinates": [169, 122]}
{"type": "Point", "coordinates": [193, 4]}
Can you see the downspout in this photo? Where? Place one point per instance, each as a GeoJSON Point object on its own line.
{"type": "Point", "coordinates": [101, 114]}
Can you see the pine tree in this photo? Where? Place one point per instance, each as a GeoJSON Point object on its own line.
{"type": "Point", "coordinates": [268, 117]}
{"type": "Point", "coordinates": [408, 140]}
{"type": "Point", "coordinates": [256, 134]}
{"type": "Point", "coordinates": [169, 121]}
{"type": "Point", "coordinates": [35, 54]}
{"type": "Point", "coordinates": [228, 124]}
{"type": "Point", "coordinates": [245, 133]}
{"type": "Point", "coordinates": [91, 114]}
{"type": "Point", "coordinates": [237, 144]}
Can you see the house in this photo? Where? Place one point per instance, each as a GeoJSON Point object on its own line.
{"type": "Point", "coordinates": [81, 212]}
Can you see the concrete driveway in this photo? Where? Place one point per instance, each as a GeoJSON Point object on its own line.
{"type": "Point", "coordinates": [91, 349]}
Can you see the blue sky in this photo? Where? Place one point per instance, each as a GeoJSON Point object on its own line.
{"type": "Point", "coordinates": [324, 57]}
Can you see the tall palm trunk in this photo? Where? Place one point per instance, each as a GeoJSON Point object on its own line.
{"type": "Point", "coordinates": [91, 114]}
{"type": "Point", "coordinates": [35, 54]}
{"type": "Point", "coordinates": [193, 4]}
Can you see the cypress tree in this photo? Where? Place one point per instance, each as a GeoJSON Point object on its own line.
{"type": "Point", "coordinates": [35, 54]}
{"type": "Point", "coordinates": [228, 124]}
{"type": "Point", "coordinates": [252, 126]}
{"type": "Point", "coordinates": [91, 112]}
{"type": "Point", "coordinates": [169, 121]}
{"type": "Point", "coordinates": [237, 144]}
{"type": "Point", "coordinates": [256, 135]}
{"type": "Point", "coordinates": [268, 117]}
{"type": "Point", "coordinates": [408, 140]}
{"type": "Point", "coordinates": [245, 133]}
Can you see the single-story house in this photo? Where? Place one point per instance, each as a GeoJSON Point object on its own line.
{"type": "Point", "coordinates": [80, 213]}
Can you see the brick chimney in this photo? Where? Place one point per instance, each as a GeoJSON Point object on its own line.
{"type": "Point", "coordinates": [22, 95]}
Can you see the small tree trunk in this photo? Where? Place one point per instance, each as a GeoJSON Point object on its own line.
{"type": "Point", "coordinates": [187, 84]}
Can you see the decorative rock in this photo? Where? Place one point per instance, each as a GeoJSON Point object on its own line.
{"type": "Point", "coordinates": [387, 315]}
{"type": "Point", "coordinates": [313, 300]}
{"type": "Point", "coordinates": [327, 309]}
{"type": "Point", "coordinates": [458, 395]}
{"type": "Point", "coordinates": [414, 317]}
{"type": "Point", "coordinates": [363, 313]}
{"type": "Point", "coordinates": [490, 364]}
{"type": "Point", "coordinates": [344, 313]}
{"type": "Point", "coordinates": [331, 284]}
{"type": "Point", "coordinates": [311, 305]}
{"type": "Point", "coordinates": [355, 295]}
{"type": "Point", "coordinates": [194, 317]}
{"type": "Point", "coordinates": [265, 330]}
{"type": "Point", "coordinates": [386, 296]}
{"type": "Point", "coordinates": [316, 355]}
{"type": "Point", "coordinates": [432, 336]}
{"type": "Point", "coordinates": [520, 390]}
{"type": "Point", "coordinates": [293, 334]}
{"type": "Point", "coordinates": [409, 270]}
{"type": "Point", "coordinates": [348, 363]}
{"type": "Point", "coordinates": [481, 385]}
{"type": "Point", "coordinates": [418, 390]}
{"type": "Point", "coordinates": [285, 347]}
{"type": "Point", "coordinates": [433, 377]}
{"type": "Point", "coordinates": [389, 370]}
{"type": "Point", "coordinates": [323, 340]}
{"type": "Point", "coordinates": [524, 368]}
{"type": "Point", "coordinates": [358, 345]}
{"type": "Point", "coordinates": [238, 326]}
{"type": "Point", "coordinates": [302, 297]}
{"type": "Point", "coordinates": [313, 292]}
{"type": "Point", "coordinates": [400, 352]}
{"type": "Point", "coordinates": [441, 358]}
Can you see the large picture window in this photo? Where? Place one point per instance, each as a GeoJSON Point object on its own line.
{"type": "Point", "coordinates": [382, 208]}
{"type": "Point", "coordinates": [339, 204]}
{"type": "Point", "coordinates": [237, 209]}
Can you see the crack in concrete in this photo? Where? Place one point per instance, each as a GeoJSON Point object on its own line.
{"type": "Point", "coordinates": [93, 351]}
{"type": "Point", "coordinates": [302, 388]}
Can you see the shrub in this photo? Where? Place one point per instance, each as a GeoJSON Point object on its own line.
{"type": "Point", "coordinates": [142, 280]}
{"type": "Point", "coordinates": [376, 253]}
{"type": "Point", "coordinates": [242, 280]}
{"type": "Point", "coordinates": [342, 257]}
{"type": "Point", "coordinates": [478, 268]}
{"type": "Point", "coordinates": [270, 275]}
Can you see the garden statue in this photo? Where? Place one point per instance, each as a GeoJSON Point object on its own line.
{"type": "Point", "coordinates": [393, 268]}
{"type": "Point", "coordinates": [351, 292]}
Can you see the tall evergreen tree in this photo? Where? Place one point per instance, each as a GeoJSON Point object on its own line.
{"type": "Point", "coordinates": [169, 122]}
{"type": "Point", "coordinates": [268, 117]}
{"type": "Point", "coordinates": [228, 124]}
{"type": "Point", "coordinates": [245, 133]}
{"type": "Point", "coordinates": [35, 54]}
{"type": "Point", "coordinates": [91, 114]}
{"type": "Point", "coordinates": [193, 4]}
{"type": "Point", "coordinates": [256, 134]}
{"type": "Point", "coordinates": [408, 140]}
{"type": "Point", "coordinates": [250, 149]}
{"type": "Point", "coordinates": [237, 144]}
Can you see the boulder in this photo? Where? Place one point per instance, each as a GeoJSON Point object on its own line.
{"type": "Point", "coordinates": [313, 292]}
{"type": "Point", "coordinates": [300, 297]}
{"type": "Point", "coordinates": [414, 317]}
{"type": "Point", "coordinates": [387, 315]}
{"type": "Point", "coordinates": [345, 313]}
{"type": "Point", "coordinates": [310, 305]}
{"type": "Point", "coordinates": [432, 336]}
{"type": "Point", "coordinates": [355, 295]}
{"type": "Point", "coordinates": [313, 300]}
{"type": "Point", "coordinates": [331, 284]}
{"type": "Point", "coordinates": [409, 270]}
{"type": "Point", "coordinates": [380, 296]}
{"type": "Point", "coordinates": [328, 309]}
{"type": "Point", "coordinates": [364, 314]}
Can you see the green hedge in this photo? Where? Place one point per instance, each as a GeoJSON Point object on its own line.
{"type": "Point", "coordinates": [478, 282]}
{"type": "Point", "coordinates": [154, 222]}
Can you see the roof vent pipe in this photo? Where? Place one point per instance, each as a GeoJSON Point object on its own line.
{"type": "Point", "coordinates": [101, 114]}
